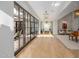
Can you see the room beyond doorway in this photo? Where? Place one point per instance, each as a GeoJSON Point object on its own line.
{"type": "Point", "coordinates": [46, 27]}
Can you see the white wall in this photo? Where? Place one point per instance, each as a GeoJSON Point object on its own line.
{"type": "Point", "coordinates": [73, 22]}
{"type": "Point", "coordinates": [68, 19]}
{"type": "Point", "coordinates": [6, 29]}
{"type": "Point", "coordinates": [55, 27]}
{"type": "Point", "coordinates": [39, 27]}
{"type": "Point", "coordinates": [7, 6]}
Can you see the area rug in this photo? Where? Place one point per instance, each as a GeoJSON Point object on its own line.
{"type": "Point", "coordinates": [68, 43]}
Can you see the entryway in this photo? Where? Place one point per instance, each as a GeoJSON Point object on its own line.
{"type": "Point", "coordinates": [46, 27]}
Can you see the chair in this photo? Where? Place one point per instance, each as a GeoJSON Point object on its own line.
{"type": "Point", "coordinates": [74, 34]}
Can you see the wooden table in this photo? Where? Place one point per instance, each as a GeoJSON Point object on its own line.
{"type": "Point", "coordinates": [74, 34]}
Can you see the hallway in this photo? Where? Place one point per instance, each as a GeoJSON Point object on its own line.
{"type": "Point", "coordinates": [39, 29]}
{"type": "Point", "coordinates": [46, 47]}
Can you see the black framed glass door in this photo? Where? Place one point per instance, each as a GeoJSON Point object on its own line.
{"type": "Point", "coordinates": [26, 27]}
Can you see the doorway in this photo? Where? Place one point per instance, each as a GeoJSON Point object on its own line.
{"type": "Point", "coordinates": [46, 27]}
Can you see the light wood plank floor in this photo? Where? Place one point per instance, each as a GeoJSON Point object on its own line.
{"type": "Point", "coordinates": [46, 47]}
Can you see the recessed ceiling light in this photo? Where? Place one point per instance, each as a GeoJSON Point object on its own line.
{"type": "Point", "coordinates": [57, 4]}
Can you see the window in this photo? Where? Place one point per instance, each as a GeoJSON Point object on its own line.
{"type": "Point", "coordinates": [19, 39]}
{"type": "Point", "coordinates": [25, 27]}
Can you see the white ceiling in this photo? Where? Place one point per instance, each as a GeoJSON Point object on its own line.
{"type": "Point", "coordinates": [41, 6]}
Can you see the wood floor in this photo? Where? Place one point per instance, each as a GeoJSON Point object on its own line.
{"type": "Point", "coordinates": [46, 47]}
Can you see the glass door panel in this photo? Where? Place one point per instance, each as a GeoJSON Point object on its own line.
{"type": "Point", "coordinates": [21, 14]}
{"type": "Point", "coordinates": [21, 41]}
{"type": "Point", "coordinates": [16, 45]}
{"type": "Point", "coordinates": [25, 27]}
{"type": "Point", "coordinates": [16, 12]}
